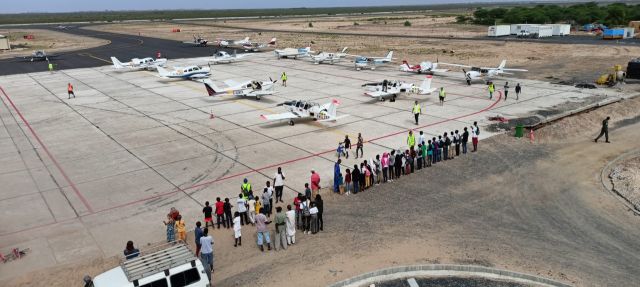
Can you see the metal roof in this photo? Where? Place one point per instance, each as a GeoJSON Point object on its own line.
{"type": "Point", "coordinates": [152, 263]}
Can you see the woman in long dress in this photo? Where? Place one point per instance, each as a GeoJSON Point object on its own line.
{"type": "Point", "coordinates": [291, 225]}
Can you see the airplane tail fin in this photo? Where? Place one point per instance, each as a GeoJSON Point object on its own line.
{"type": "Point", "coordinates": [502, 64]}
{"type": "Point", "coordinates": [389, 56]}
{"type": "Point", "coordinates": [344, 50]}
{"type": "Point", "coordinates": [116, 63]}
{"type": "Point", "coordinates": [163, 72]}
{"type": "Point", "coordinates": [212, 89]}
{"type": "Point", "coordinates": [332, 110]}
{"type": "Point", "coordinates": [426, 84]}
{"type": "Point", "coordinates": [272, 42]}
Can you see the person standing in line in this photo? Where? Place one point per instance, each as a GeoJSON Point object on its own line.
{"type": "Point", "coordinates": [242, 210]}
{"type": "Point", "coordinates": [314, 218]}
{"type": "Point", "coordinates": [320, 205]}
{"type": "Point", "coordinates": [206, 253]}
{"type": "Point", "coordinates": [315, 182]}
{"type": "Point", "coordinates": [367, 174]}
{"type": "Point", "coordinates": [227, 213]}
{"type": "Point", "coordinates": [392, 164]}
{"type": "Point", "coordinates": [348, 185]}
{"type": "Point", "coordinates": [451, 146]}
{"type": "Point", "coordinates": [506, 90]}
{"type": "Point", "coordinates": [281, 229]}
{"type": "Point", "coordinates": [411, 140]}
{"type": "Point", "coordinates": [359, 145]}
{"type": "Point", "coordinates": [442, 95]}
{"type": "Point", "coordinates": [416, 111]}
{"type": "Point", "coordinates": [378, 168]}
{"type": "Point", "coordinates": [385, 167]}
{"type": "Point", "coordinates": [458, 141]}
{"type": "Point", "coordinates": [181, 229]}
{"type": "Point", "coordinates": [197, 233]}
{"type": "Point", "coordinates": [307, 191]}
{"type": "Point", "coordinates": [429, 153]}
{"type": "Point", "coordinates": [296, 202]}
{"type": "Point", "coordinates": [336, 176]}
{"type": "Point", "coordinates": [422, 158]}
{"type": "Point", "coordinates": [252, 209]}
{"type": "Point", "coordinates": [70, 91]}
{"type": "Point", "coordinates": [604, 130]}
{"type": "Point", "coordinates": [266, 207]}
{"type": "Point", "coordinates": [207, 211]}
{"type": "Point", "coordinates": [445, 148]}
{"type": "Point", "coordinates": [283, 78]}
{"type": "Point", "coordinates": [491, 90]}
{"type": "Point", "coordinates": [355, 177]}
{"type": "Point", "coordinates": [269, 189]}
{"type": "Point", "coordinates": [220, 213]}
{"type": "Point", "coordinates": [262, 231]}
{"type": "Point", "coordinates": [465, 139]}
{"type": "Point", "coordinates": [518, 90]}
{"type": "Point", "coordinates": [291, 225]}
{"type": "Point", "coordinates": [423, 139]}
{"type": "Point", "coordinates": [237, 229]}
{"type": "Point", "coordinates": [305, 206]}
{"type": "Point", "coordinates": [278, 183]}
{"type": "Point", "coordinates": [475, 132]}
{"type": "Point", "coordinates": [400, 162]}
{"type": "Point", "coordinates": [347, 146]}
{"type": "Point", "coordinates": [170, 223]}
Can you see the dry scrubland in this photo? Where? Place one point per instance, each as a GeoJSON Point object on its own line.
{"type": "Point", "coordinates": [552, 62]}
{"type": "Point", "coordinates": [47, 40]}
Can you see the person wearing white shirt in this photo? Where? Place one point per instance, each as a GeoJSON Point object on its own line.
{"type": "Point", "coordinates": [422, 138]}
{"type": "Point", "coordinates": [206, 252]}
{"type": "Point", "coordinates": [314, 218]}
{"type": "Point", "coordinates": [242, 209]}
{"type": "Point", "coordinates": [278, 183]}
{"type": "Point", "coordinates": [252, 210]}
{"type": "Point", "coordinates": [291, 225]}
{"type": "Point", "coordinates": [475, 132]}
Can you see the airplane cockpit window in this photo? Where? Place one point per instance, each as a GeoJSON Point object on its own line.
{"type": "Point", "coordinates": [298, 104]}
{"type": "Point", "coordinates": [196, 68]}
{"type": "Point", "coordinates": [306, 106]}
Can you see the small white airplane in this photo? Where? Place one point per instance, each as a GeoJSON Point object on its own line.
{"type": "Point", "coordinates": [292, 52]}
{"type": "Point", "coordinates": [222, 57]}
{"type": "Point", "coordinates": [307, 110]}
{"type": "Point", "coordinates": [478, 73]}
{"type": "Point", "coordinates": [226, 43]}
{"type": "Point", "coordinates": [257, 47]}
{"type": "Point", "coordinates": [135, 63]}
{"type": "Point", "coordinates": [40, 55]}
{"type": "Point", "coordinates": [372, 62]}
{"type": "Point", "coordinates": [252, 89]}
{"type": "Point", "coordinates": [324, 57]}
{"type": "Point", "coordinates": [198, 41]}
{"type": "Point", "coordinates": [394, 88]}
{"type": "Point", "coordinates": [424, 67]}
{"type": "Point", "coordinates": [186, 73]}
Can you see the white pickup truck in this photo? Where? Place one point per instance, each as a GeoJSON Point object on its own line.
{"type": "Point", "coordinates": [173, 266]}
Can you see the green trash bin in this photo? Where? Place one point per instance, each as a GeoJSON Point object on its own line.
{"type": "Point", "coordinates": [519, 131]}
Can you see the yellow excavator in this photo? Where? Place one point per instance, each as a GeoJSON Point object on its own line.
{"type": "Point", "coordinates": [610, 79]}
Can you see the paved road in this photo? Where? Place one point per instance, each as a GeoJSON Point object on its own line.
{"type": "Point", "coordinates": [122, 46]}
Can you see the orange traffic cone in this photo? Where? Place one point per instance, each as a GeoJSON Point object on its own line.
{"type": "Point", "coordinates": [531, 136]}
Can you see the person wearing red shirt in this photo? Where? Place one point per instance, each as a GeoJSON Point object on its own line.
{"type": "Point", "coordinates": [315, 183]}
{"type": "Point", "coordinates": [296, 202]}
{"type": "Point", "coordinates": [220, 213]}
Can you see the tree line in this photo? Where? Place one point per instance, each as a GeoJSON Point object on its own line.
{"type": "Point", "coordinates": [611, 15]}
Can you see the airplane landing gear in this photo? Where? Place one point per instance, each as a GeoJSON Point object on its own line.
{"type": "Point", "coordinates": [291, 123]}
{"type": "Point", "coordinates": [258, 98]}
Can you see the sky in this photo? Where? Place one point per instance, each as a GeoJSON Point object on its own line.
{"type": "Point", "coordinates": [22, 6]}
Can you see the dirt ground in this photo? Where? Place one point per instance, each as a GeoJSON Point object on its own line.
{"type": "Point", "coordinates": [626, 180]}
{"type": "Point", "coordinates": [545, 61]}
{"type": "Point", "coordinates": [50, 41]}
{"type": "Point", "coordinates": [533, 208]}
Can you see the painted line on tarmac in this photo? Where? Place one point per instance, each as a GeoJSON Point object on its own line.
{"type": "Point", "coordinates": [73, 186]}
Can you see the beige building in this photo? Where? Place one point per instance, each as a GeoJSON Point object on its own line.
{"type": "Point", "coordinates": [4, 43]}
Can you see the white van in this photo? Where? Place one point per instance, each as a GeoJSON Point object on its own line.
{"type": "Point", "coordinates": [173, 266]}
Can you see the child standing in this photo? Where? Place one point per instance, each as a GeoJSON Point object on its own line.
{"type": "Point", "coordinates": [347, 181]}
{"type": "Point", "coordinates": [237, 227]}
{"type": "Point", "coordinates": [181, 228]}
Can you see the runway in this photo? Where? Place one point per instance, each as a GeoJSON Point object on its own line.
{"type": "Point", "coordinates": [124, 47]}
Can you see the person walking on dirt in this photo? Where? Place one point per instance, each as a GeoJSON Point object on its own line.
{"type": "Point", "coordinates": [70, 91]}
{"type": "Point", "coordinates": [604, 130]}
{"type": "Point", "coordinates": [283, 77]}
{"type": "Point", "coordinates": [359, 145]}
{"type": "Point", "coordinates": [475, 132]}
{"type": "Point", "coordinates": [506, 90]}
{"type": "Point", "coordinates": [416, 111]}
{"type": "Point", "coordinates": [518, 90]}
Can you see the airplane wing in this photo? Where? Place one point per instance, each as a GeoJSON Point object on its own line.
{"type": "Point", "coordinates": [232, 83]}
{"type": "Point", "coordinates": [458, 65]}
{"type": "Point", "coordinates": [379, 94]}
{"type": "Point", "coordinates": [198, 76]}
{"type": "Point", "coordinates": [516, 70]}
{"type": "Point", "coordinates": [282, 116]}
{"type": "Point", "coordinates": [333, 118]}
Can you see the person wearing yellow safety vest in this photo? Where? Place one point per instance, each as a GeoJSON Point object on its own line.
{"type": "Point", "coordinates": [416, 111]}
{"type": "Point", "coordinates": [50, 67]}
{"type": "Point", "coordinates": [411, 140]}
{"type": "Point", "coordinates": [284, 79]}
{"type": "Point", "coordinates": [442, 96]}
{"type": "Point", "coordinates": [246, 189]}
{"type": "Point", "coordinates": [492, 89]}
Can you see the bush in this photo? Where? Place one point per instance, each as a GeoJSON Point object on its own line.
{"type": "Point", "coordinates": [310, 25]}
{"type": "Point", "coordinates": [356, 23]}
{"type": "Point", "coordinates": [407, 23]}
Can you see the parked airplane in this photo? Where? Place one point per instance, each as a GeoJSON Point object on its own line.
{"type": "Point", "coordinates": [40, 55]}
{"type": "Point", "coordinates": [394, 88]}
{"type": "Point", "coordinates": [224, 57]}
{"type": "Point", "coordinates": [424, 67]}
{"type": "Point", "coordinates": [293, 52]}
{"type": "Point", "coordinates": [309, 110]}
{"type": "Point", "coordinates": [186, 73]}
{"type": "Point", "coordinates": [253, 89]}
{"type": "Point", "coordinates": [485, 72]}
{"type": "Point", "coordinates": [371, 62]}
{"type": "Point", "coordinates": [324, 57]}
{"type": "Point", "coordinates": [198, 41]}
{"type": "Point", "coordinates": [257, 47]}
{"type": "Point", "coordinates": [226, 43]}
{"type": "Point", "coordinates": [135, 63]}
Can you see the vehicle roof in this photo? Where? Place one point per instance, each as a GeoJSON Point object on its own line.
{"type": "Point", "coordinates": [155, 262]}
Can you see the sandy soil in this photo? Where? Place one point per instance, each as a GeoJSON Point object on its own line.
{"type": "Point", "coordinates": [531, 208]}
{"type": "Point", "coordinates": [626, 180]}
{"type": "Point", "coordinates": [551, 62]}
{"type": "Point", "coordinates": [50, 41]}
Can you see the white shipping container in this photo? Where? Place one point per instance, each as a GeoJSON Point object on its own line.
{"type": "Point", "coordinates": [499, 30]}
{"type": "Point", "coordinates": [629, 32]}
{"type": "Point", "coordinates": [561, 29]}
{"type": "Point", "coordinates": [517, 28]}
{"type": "Point", "coordinates": [541, 31]}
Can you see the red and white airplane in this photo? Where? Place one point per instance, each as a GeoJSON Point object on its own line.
{"type": "Point", "coordinates": [423, 68]}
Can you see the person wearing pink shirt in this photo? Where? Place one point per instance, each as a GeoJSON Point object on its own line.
{"type": "Point", "coordinates": [385, 166]}
{"type": "Point", "coordinates": [315, 183]}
